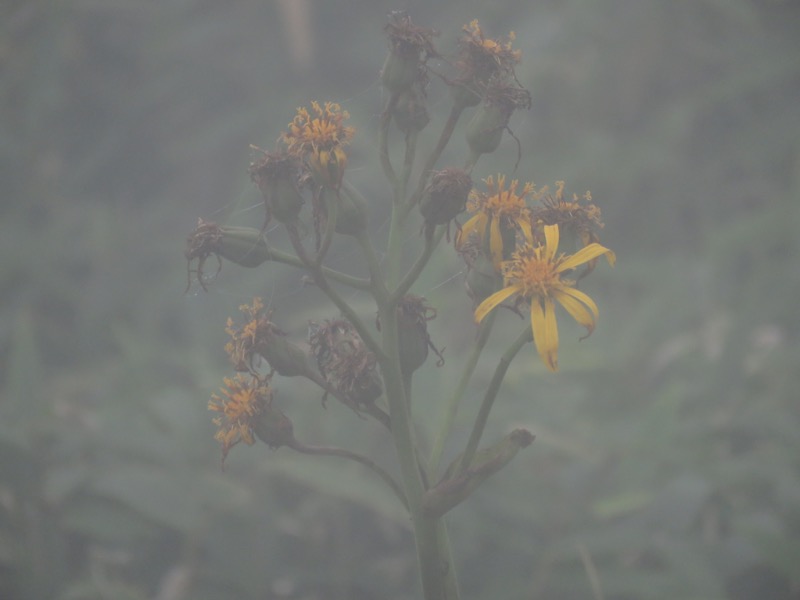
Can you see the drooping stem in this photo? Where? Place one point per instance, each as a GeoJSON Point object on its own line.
{"type": "Point", "coordinates": [430, 245]}
{"type": "Point", "coordinates": [489, 398]}
{"type": "Point", "coordinates": [333, 451]}
{"type": "Point", "coordinates": [451, 407]}
{"type": "Point", "coordinates": [444, 138]}
{"type": "Point", "coordinates": [386, 164]}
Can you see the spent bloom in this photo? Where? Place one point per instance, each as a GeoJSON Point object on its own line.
{"type": "Point", "coordinates": [498, 216]}
{"type": "Point", "coordinates": [579, 215]}
{"type": "Point", "coordinates": [319, 137]}
{"type": "Point", "coordinates": [535, 274]}
{"type": "Point", "coordinates": [239, 405]}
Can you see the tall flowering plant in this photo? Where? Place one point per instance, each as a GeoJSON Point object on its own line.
{"type": "Point", "coordinates": [508, 234]}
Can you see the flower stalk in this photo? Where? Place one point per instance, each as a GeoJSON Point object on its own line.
{"type": "Point", "coordinates": [509, 244]}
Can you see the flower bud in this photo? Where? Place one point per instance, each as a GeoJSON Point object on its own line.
{"type": "Point", "coordinates": [244, 246]}
{"type": "Point", "coordinates": [410, 47]}
{"type": "Point", "coordinates": [273, 427]}
{"type": "Point", "coordinates": [456, 487]}
{"type": "Point", "coordinates": [400, 69]}
{"type": "Point", "coordinates": [446, 196]}
{"type": "Point", "coordinates": [410, 112]}
{"type": "Point", "coordinates": [277, 176]}
{"type": "Point", "coordinates": [413, 314]}
{"type": "Point", "coordinates": [485, 130]}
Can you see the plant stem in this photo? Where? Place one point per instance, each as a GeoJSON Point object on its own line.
{"type": "Point", "coordinates": [444, 138]}
{"type": "Point", "coordinates": [333, 451]}
{"type": "Point", "coordinates": [454, 400]}
{"type": "Point", "coordinates": [489, 398]}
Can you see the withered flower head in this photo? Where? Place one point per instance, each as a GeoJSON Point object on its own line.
{"type": "Point", "coordinates": [500, 100]}
{"type": "Point", "coordinates": [446, 195]}
{"type": "Point", "coordinates": [345, 362]}
{"type": "Point", "coordinates": [579, 217]}
{"type": "Point", "coordinates": [319, 138]}
{"type": "Point", "coordinates": [498, 216]}
{"type": "Point", "coordinates": [480, 60]}
{"type": "Point", "coordinates": [244, 246]}
{"type": "Point", "coordinates": [280, 177]}
{"type": "Point", "coordinates": [260, 337]}
{"type": "Point", "coordinates": [240, 404]}
{"type": "Point", "coordinates": [410, 47]}
{"type": "Point", "coordinates": [413, 314]}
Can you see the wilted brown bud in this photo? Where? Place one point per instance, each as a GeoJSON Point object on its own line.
{"type": "Point", "coordinates": [345, 362]}
{"type": "Point", "coordinates": [409, 48]}
{"type": "Point", "coordinates": [410, 112]}
{"type": "Point", "coordinates": [273, 427]}
{"type": "Point", "coordinates": [261, 337]}
{"type": "Point", "coordinates": [485, 130]}
{"type": "Point", "coordinates": [279, 177]}
{"type": "Point", "coordinates": [446, 196]}
{"type": "Point", "coordinates": [244, 246]}
{"type": "Point", "coordinates": [413, 314]}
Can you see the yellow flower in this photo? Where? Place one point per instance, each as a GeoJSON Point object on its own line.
{"type": "Point", "coordinates": [534, 274]}
{"type": "Point", "coordinates": [319, 138]}
{"type": "Point", "coordinates": [242, 401]}
{"type": "Point", "coordinates": [499, 215]}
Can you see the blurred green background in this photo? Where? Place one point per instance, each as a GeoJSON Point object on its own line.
{"type": "Point", "coordinates": [667, 456]}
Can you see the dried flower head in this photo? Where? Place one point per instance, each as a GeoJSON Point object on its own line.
{"type": "Point", "coordinates": [499, 215]}
{"type": "Point", "coordinates": [319, 138]}
{"type": "Point", "coordinates": [579, 217]}
{"type": "Point", "coordinates": [280, 176]}
{"type": "Point", "coordinates": [241, 402]}
{"type": "Point", "coordinates": [410, 47]}
{"type": "Point", "coordinates": [345, 362]}
{"type": "Point", "coordinates": [480, 60]}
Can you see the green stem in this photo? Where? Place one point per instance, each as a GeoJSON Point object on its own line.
{"type": "Point", "coordinates": [432, 558]}
{"type": "Point", "coordinates": [332, 274]}
{"type": "Point", "coordinates": [489, 398]}
{"type": "Point", "coordinates": [408, 162]}
{"type": "Point", "coordinates": [451, 408]}
{"type": "Point", "coordinates": [430, 245]}
{"type": "Point", "coordinates": [333, 451]}
{"type": "Point", "coordinates": [327, 236]}
{"type": "Point", "coordinates": [444, 138]}
{"type": "Point", "coordinates": [378, 286]}
{"type": "Point", "coordinates": [386, 120]}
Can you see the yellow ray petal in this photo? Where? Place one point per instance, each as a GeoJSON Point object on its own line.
{"type": "Point", "coordinates": [496, 243]}
{"type": "Point", "coordinates": [581, 297]}
{"type": "Point", "coordinates": [550, 241]}
{"type": "Point", "coordinates": [585, 254]}
{"type": "Point", "coordinates": [545, 332]}
{"type": "Point", "coordinates": [489, 303]}
{"type": "Point", "coordinates": [576, 310]}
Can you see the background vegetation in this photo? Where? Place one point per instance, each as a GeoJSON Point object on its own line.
{"type": "Point", "coordinates": [667, 456]}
